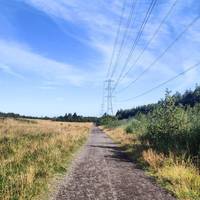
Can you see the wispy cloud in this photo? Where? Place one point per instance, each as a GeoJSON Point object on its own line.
{"type": "Point", "coordinates": [26, 61]}
{"type": "Point", "coordinates": [8, 70]}
{"type": "Point", "coordinates": [99, 20]}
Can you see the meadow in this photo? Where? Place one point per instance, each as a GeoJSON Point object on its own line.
{"type": "Point", "coordinates": [33, 152]}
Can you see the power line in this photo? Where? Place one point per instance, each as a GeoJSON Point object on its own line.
{"type": "Point", "coordinates": [163, 53]}
{"type": "Point", "coordinates": [123, 42]}
{"type": "Point", "coordinates": [117, 37]}
{"type": "Point", "coordinates": [109, 102]}
{"type": "Point", "coordinates": [163, 83]}
{"type": "Point", "coordinates": [109, 82]}
{"type": "Point", "coordinates": [152, 38]}
{"type": "Point", "coordinates": [146, 18]}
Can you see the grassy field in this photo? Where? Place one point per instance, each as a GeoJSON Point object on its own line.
{"type": "Point", "coordinates": [176, 174]}
{"type": "Point", "coordinates": [32, 152]}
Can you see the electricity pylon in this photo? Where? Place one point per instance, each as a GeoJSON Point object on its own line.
{"type": "Point", "coordinates": [109, 96]}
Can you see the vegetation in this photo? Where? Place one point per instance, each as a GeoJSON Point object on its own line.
{"type": "Point", "coordinates": [189, 98]}
{"type": "Point", "coordinates": [66, 118]}
{"type": "Point", "coordinates": [166, 141]}
{"type": "Point", "coordinates": [34, 151]}
{"type": "Point", "coordinates": [75, 118]}
{"type": "Point", "coordinates": [109, 121]}
{"type": "Point", "coordinates": [174, 129]}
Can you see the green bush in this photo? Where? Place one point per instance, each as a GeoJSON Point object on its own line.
{"type": "Point", "coordinates": [174, 128]}
{"type": "Point", "coordinates": [107, 120]}
{"type": "Point", "coordinates": [129, 129]}
{"type": "Point", "coordinates": [137, 125]}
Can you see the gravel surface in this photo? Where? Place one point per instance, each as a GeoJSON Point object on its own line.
{"type": "Point", "coordinates": [102, 172]}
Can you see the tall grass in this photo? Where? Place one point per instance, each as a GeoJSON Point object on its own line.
{"type": "Point", "coordinates": [32, 152]}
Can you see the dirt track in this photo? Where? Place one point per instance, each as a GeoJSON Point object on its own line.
{"type": "Point", "coordinates": [102, 172]}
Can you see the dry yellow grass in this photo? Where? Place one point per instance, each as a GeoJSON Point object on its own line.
{"type": "Point", "coordinates": [174, 173]}
{"type": "Point", "coordinates": [155, 160]}
{"type": "Point", "coordinates": [119, 135]}
{"type": "Point", "coordinates": [32, 152]}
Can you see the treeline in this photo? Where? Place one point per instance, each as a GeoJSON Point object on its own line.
{"type": "Point", "coordinates": [66, 118]}
{"type": "Point", "coordinates": [189, 98]}
{"type": "Point", "coordinates": [14, 115]}
{"type": "Point", "coordinates": [75, 118]}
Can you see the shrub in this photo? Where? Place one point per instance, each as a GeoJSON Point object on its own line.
{"type": "Point", "coordinates": [129, 129]}
{"type": "Point", "coordinates": [173, 128]}
{"type": "Point", "coordinates": [108, 120]}
{"type": "Point", "coordinates": [137, 125]}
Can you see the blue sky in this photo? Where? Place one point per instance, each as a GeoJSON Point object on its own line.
{"type": "Point", "coordinates": [54, 55]}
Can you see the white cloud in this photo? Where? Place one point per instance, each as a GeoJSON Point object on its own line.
{"type": "Point", "coordinates": [18, 58]}
{"type": "Point", "coordinates": [10, 71]}
{"type": "Point", "coordinates": [100, 19]}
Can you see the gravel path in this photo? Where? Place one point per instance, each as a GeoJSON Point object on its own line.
{"type": "Point", "coordinates": [102, 172]}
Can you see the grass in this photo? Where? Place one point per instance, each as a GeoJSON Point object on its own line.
{"type": "Point", "coordinates": [33, 152]}
{"type": "Point", "coordinates": [176, 174]}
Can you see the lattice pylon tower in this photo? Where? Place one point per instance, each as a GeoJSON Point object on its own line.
{"type": "Point", "coordinates": [109, 96]}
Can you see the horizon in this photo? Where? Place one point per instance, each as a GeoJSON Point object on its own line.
{"type": "Point", "coordinates": [55, 116]}
{"type": "Point", "coordinates": [54, 56]}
